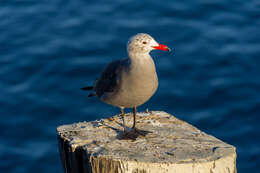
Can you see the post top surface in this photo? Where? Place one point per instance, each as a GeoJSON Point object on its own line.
{"type": "Point", "coordinates": [170, 141]}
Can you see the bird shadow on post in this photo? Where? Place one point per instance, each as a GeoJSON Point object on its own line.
{"type": "Point", "coordinates": [132, 134]}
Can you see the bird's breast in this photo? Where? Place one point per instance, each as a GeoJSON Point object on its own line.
{"type": "Point", "coordinates": [139, 83]}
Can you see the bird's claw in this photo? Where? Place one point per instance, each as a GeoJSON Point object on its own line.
{"type": "Point", "coordinates": [133, 134]}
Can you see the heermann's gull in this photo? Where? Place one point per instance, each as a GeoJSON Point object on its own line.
{"type": "Point", "coordinates": [130, 82]}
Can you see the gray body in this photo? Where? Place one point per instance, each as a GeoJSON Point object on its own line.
{"type": "Point", "coordinates": [128, 82]}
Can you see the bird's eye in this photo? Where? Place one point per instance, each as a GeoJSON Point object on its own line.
{"type": "Point", "coordinates": [144, 42]}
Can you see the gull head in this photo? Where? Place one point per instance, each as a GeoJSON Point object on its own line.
{"type": "Point", "coordinates": [143, 43]}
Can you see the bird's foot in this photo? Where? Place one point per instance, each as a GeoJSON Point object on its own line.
{"type": "Point", "coordinates": [140, 132]}
{"type": "Point", "coordinates": [133, 134]}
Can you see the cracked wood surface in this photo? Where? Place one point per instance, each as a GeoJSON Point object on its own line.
{"type": "Point", "coordinates": [170, 145]}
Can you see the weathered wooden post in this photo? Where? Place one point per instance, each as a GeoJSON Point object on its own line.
{"type": "Point", "coordinates": [170, 146]}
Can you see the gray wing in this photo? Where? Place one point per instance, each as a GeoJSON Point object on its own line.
{"type": "Point", "coordinates": [110, 78]}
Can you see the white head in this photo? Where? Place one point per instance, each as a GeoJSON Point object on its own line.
{"type": "Point", "coordinates": [143, 43]}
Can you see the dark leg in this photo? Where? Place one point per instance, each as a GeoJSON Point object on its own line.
{"type": "Point", "coordinates": [123, 115]}
{"type": "Point", "coordinates": [134, 114]}
{"type": "Point", "coordinates": [134, 133]}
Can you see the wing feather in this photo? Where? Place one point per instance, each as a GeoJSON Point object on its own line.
{"type": "Point", "coordinates": [109, 80]}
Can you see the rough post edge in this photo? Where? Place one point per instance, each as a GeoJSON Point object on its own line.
{"type": "Point", "coordinates": [77, 160]}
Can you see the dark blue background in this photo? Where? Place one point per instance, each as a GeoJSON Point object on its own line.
{"type": "Point", "coordinates": [49, 49]}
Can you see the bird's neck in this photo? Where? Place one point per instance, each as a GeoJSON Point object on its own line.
{"type": "Point", "coordinates": [141, 62]}
{"type": "Point", "coordinates": [139, 57]}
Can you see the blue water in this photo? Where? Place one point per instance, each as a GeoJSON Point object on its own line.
{"type": "Point", "coordinates": [50, 49]}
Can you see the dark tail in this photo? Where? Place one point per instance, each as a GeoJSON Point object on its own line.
{"type": "Point", "coordinates": [92, 94]}
{"type": "Point", "coordinates": [87, 88]}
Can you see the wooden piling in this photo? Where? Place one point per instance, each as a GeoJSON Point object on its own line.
{"type": "Point", "coordinates": [164, 144]}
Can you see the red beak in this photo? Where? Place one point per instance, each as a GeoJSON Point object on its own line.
{"type": "Point", "coordinates": [162, 47]}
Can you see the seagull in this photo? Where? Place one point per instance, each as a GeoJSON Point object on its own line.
{"type": "Point", "coordinates": [129, 82]}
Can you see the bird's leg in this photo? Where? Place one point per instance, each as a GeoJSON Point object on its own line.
{"type": "Point", "coordinates": [134, 133]}
{"type": "Point", "coordinates": [123, 116]}
{"type": "Point", "coordinates": [134, 129]}
{"type": "Point", "coordinates": [134, 114]}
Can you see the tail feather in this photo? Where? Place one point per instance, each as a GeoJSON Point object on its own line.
{"type": "Point", "coordinates": [87, 88]}
{"type": "Point", "coordinates": [92, 94]}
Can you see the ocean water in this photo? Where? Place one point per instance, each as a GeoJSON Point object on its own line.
{"type": "Point", "coordinates": [50, 49]}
